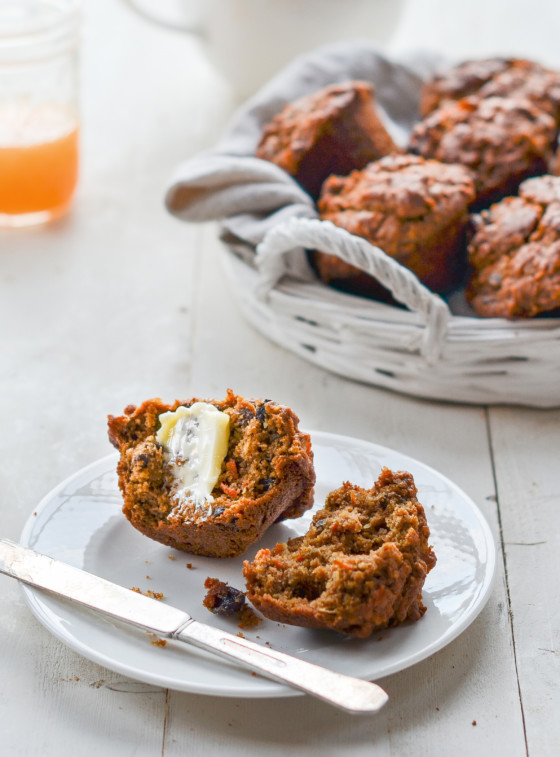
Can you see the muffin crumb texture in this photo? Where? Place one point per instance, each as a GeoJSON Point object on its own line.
{"type": "Point", "coordinates": [360, 567]}
{"type": "Point", "coordinates": [266, 475]}
{"type": "Point", "coordinates": [415, 210]}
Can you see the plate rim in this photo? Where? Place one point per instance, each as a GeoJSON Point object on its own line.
{"type": "Point", "coordinates": [265, 688]}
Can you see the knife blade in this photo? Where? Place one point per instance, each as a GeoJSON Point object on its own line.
{"type": "Point", "coordinates": [345, 692]}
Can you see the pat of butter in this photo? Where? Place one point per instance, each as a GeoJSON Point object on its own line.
{"type": "Point", "coordinates": [195, 442]}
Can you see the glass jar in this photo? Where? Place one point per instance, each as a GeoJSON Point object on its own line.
{"type": "Point", "coordinates": [38, 109]}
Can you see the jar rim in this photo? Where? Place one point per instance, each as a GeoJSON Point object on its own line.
{"type": "Point", "coordinates": [32, 29]}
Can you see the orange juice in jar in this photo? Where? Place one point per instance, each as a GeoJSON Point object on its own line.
{"type": "Point", "coordinates": [38, 109]}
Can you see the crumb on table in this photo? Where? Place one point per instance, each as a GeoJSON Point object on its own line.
{"type": "Point", "coordinates": [155, 640]}
{"type": "Point", "coordinates": [149, 593]}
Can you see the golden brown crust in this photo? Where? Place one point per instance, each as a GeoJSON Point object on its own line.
{"type": "Point", "coordinates": [267, 475]}
{"type": "Point", "coordinates": [360, 567]}
{"type": "Point", "coordinates": [333, 131]}
{"type": "Point", "coordinates": [459, 81]}
{"type": "Point", "coordinates": [414, 209]}
{"type": "Point", "coordinates": [494, 77]}
{"type": "Point", "coordinates": [501, 140]}
{"type": "Point", "coordinates": [515, 253]}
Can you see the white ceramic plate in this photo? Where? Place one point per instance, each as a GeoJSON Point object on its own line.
{"type": "Point", "coordinates": [80, 522]}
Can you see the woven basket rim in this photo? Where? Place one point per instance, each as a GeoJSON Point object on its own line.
{"type": "Point", "coordinates": [484, 361]}
{"type": "Point", "coordinates": [546, 322]}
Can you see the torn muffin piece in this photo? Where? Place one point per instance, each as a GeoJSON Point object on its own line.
{"type": "Point", "coordinates": [221, 598]}
{"type": "Point", "coordinates": [501, 140]}
{"type": "Point", "coordinates": [209, 477]}
{"type": "Point", "coordinates": [360, 567]}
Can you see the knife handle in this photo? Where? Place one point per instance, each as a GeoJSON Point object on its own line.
{"type": "Point", "coordinates": [345, 692]}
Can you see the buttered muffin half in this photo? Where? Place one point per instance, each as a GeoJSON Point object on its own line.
{"type": "Point", "coordinates": [210, 476]}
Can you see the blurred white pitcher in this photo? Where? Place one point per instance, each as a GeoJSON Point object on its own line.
{"type": "Point", "coordinates": [249, 40]}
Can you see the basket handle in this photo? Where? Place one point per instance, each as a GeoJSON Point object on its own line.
{"type": "Point", "coordinates": [325, 236]}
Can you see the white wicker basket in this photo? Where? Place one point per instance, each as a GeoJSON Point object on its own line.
{"type": "Point", "coordinates": [424, 350]}
{"type": "Point", "coordinates": [268, 222]}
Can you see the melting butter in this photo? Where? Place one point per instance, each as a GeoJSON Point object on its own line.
{"type": "Point", "coordinates": [195, 442]}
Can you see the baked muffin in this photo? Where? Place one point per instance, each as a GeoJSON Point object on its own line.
{"type": "Point", "coordinates": [208, 476]}
{"type": "Point", "coordinates": [332, 131]}
{"type": "Point", "coordinates": [502, 140]}
{"type": "Point", "coordinates": [494, 77]}
{"type": "Point", "coordinates": [528, 80]}
{"type": "Point", "coordinates": [515, 253]}
{"type": "Point", "coordinates": [459, 81]}
{"type": "Point", "coordinates": [360, 567]}
{"type": "Point", "coordinates": [413, 209]}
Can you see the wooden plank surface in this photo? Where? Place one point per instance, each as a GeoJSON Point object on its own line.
{"type": "Point", "coordinates": [529, 499]}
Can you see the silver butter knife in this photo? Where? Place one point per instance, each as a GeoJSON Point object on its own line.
{"type": "Point", "coordinates": [347, 693]}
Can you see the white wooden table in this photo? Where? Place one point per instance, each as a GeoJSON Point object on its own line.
{"type": "Point", "coordinates": [120, 302]}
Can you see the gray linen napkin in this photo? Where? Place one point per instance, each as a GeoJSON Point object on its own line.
{"type": "Point", "coordinates": [250, 196]}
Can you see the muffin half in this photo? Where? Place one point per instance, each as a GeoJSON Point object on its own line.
{"type": "Point", "coordinates": [415, 210]}
{"type": "Point", "coordinates": [209, 477]}
{"type": "Point", "coordinates": [360, 567]}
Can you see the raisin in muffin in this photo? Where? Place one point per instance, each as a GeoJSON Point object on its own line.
{"type": "Point", "coordinates": [515, 253]}
{"type": "Point", "coordinates": [209, 477]}
{"type": "Point", "coordinates": [502, 140]}
{"type": "Point", "coordinates": [360, 567]}
{"type": "Point", "coordinates": [332, 131]}
{"type": "Point", "coordinates": [415, 210]}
